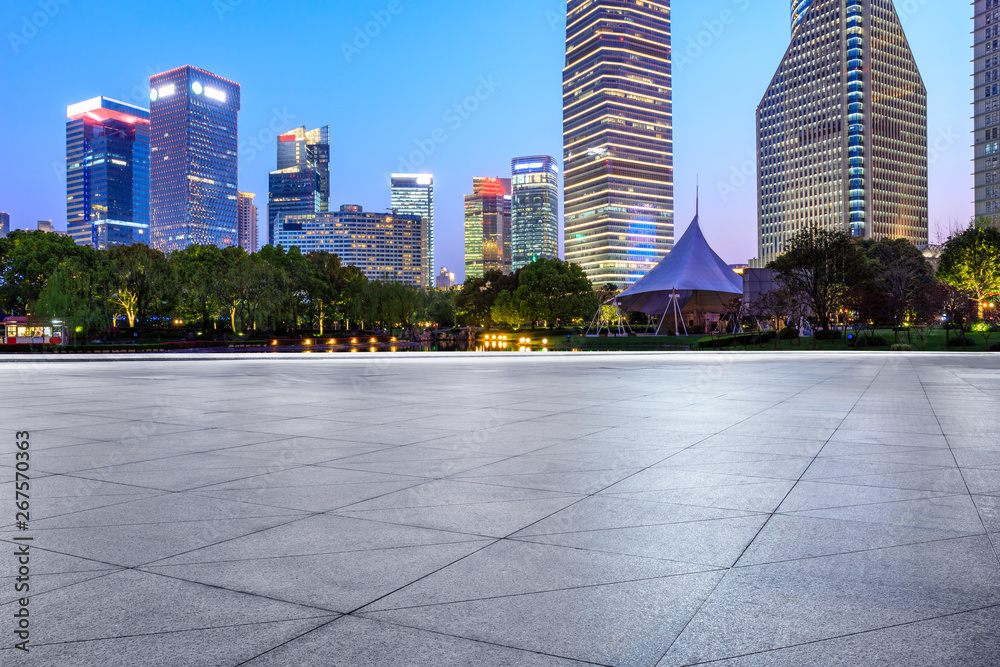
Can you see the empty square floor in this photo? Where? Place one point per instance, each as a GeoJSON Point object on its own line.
{"type": "Point", "coordinates": [460, 509]}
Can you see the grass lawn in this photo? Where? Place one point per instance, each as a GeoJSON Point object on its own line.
{"type": "Point", "coordinates": [936, 342]}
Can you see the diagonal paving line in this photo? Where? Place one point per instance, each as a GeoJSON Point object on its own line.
{"type": "Point", "coordinates": [961, 471]}
{"type": "Point", "coordinates": [770, 516]}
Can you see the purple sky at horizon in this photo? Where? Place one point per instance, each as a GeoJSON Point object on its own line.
{"type": "Point", "coordinates": [386, 99]}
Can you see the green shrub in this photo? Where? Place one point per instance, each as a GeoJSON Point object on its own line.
{"type": "Point", "coordinates": [715, 343]}
{"type": "Point", "coordinates": [862, 341]}
{"type": "Point", "coordinates": [958, 342]}
{"type": "Point", "coordinates": [901, 347]}
{"type": "Point", "coordinates": [832, 334]}
{"type": "Point", "coordinates": [789, 333]}
{"type": "Point", "coordinates": [995, 347]}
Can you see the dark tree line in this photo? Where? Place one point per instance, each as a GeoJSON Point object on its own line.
{"type": "Point", "coordinates": [887, 282]}
{"type": "Point", "coordinates": [48, 275]}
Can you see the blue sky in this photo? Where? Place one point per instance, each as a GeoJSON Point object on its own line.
{"type": "Point", "coordinates": [384, 99]}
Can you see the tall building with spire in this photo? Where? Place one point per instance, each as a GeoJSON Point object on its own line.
{"type": "Point", "coordinates": [842, 129]}
{"type": "Point", "coordinates": [301, 183]}
{"type": "Point", "coordinates": [618, 138]}
{"type": "Point", "coordinates": [986, 87]}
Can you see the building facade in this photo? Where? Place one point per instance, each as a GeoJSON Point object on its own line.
{"type": "Point", "coordinates": [986, 87]}
{"type": "Point", "coordinates": [4, 224]}
{"type": "Point", "coordinates": [301, 183]}
{"type": "Point", "coordinates": [246, 222]}
{"type": "Point", "coordinates": [842, 129]}
{"type": "Point", "coordinates": [534, 210]}
{"type": "Point", "coordinates": [618, 138]}
{"type": "Point", "coordinates": [445, 279]}
{"type": "Point", "coordinates": [384, 246]}
{"type": "Point", "coordinates": [487, 227]}
{"type": "Point", "coordinates": [107, 173]}
{"type": "Point", "coordinates": [193, 159]}
{"type": "Point", "coordinates": [413, 194]}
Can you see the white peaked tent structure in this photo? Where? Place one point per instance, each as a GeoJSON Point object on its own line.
{"type": "Point", "coordinates": [692, 279]}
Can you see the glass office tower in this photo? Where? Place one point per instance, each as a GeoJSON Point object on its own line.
{"type": "Point", "coordinates": [301, 183]}
{"type": "Point", "coordinates": [487, 227]}
{"type": "Point", "coordinates": [413, 194]}
{"type": "Point", "coordinates": [193, 158]}
{"type": "Point", "coordinates": [986, 90]}
{"type": "Point", "coordinates": [534, 210]}
{"type": "Point", "coordinates": [4, 224]}
{"type": "Point", "coordinates": [842, 129]}
{"type": "Point", "coordinates": [107, 173]}
{"type": "Point", "coordinates": [618, 138]}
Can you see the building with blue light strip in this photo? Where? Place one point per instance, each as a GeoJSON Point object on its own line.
{"type": "Point", "coordinates": [107, 173]}
{"type": "Point", "coordinates": [842, 129]}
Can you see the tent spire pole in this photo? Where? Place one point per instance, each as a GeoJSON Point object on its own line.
{"type": "Point", "coordinates": [697, 195]}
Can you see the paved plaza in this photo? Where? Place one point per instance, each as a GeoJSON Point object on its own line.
{"type": "Point", "coordinates": [524, 510]}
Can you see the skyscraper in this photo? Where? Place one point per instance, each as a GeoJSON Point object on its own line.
{"type": "Point", "coordinates": [301, 184]}
{"type": "Point", "coordinates": [618, 138]}
{"type": "Point", "coordinates": [4, 224]}
{"type": "Point", "coordinates": [246, 222]}
{"type": "Point", "coordinates": [842, 129]}
{"type": "Point", "coordinates": [986, 87]}
{"type": "Point", "coordinates": [107, 173]}
{"type": "Point", "coordinates": [193, 158]}
{"type": "Point", "coordinates": [534, 210]}
{"type": "Point", "coordinates": [384, 246]}
{"type": "Point", "coordinates": [413, 194]}
{"type": "Point", "coordinates": [487, 227]}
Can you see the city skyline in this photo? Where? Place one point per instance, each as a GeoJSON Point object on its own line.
{"type": "Point", "coordinates": [713, 124]}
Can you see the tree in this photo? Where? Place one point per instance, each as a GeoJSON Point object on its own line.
{"type": "Point", "coordinates": [775, 305]}
{"type": "Point", "coordinates": [971, 261]}
{"type": "Point", "coordinates": [958, 309]}
{"type": "Point", "coordinates": [901, 273]}
{"type": "Point", "coordinates": [138, 281]}
{"type": "Point", "coordinates": [27, 259]}
{"type": "Point", "coordinates": [475, 300]}
{"type": "Point", "coordinates": [193, 270]}
{"type": "Point", "coordinates": [820, 266]}
{"type": "Point", "coordinates": [551, 289]}
{"type": "Point", "coordinates": [508, 309]}
{"type": "Point", "coordinates": [234, 283]}
{"type": "Point", "coordinates": [75, 293]}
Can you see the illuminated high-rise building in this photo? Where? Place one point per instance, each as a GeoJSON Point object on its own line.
{"type": "Point", "coordinates": [534, 210]}
{"type": "Point", "coordinates": [842, 129]}
{"type": "Point", "coordinates": [384, 246]}
{"type": "Point", "coordinates": [4, 224]}
{"type": "Point", "coordinates": [986, 87]}
{"type": "Point", "coordinates": [246, 222]}
{"type": "Point", "coordinates": [487, 227]}
{"type": "Point", "coordinates": [193, 158]}
{"type": "Point", "coordinates": [301, 184]}
{"type": "Point", "coordinates": [413, 194]}
{"type": "Point", "coordinates": [618, 138]}
{"type": "Point", "coordinates": [107, 173]}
